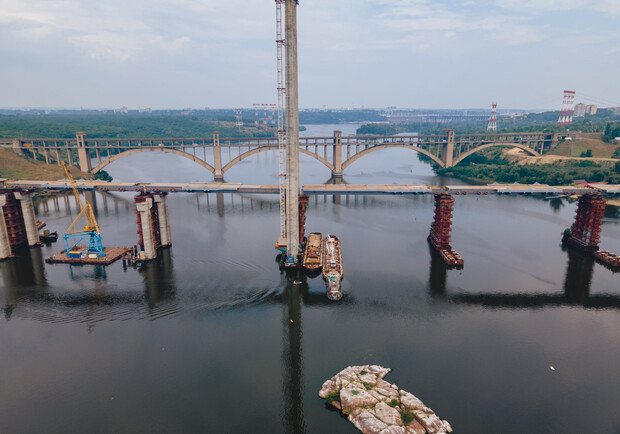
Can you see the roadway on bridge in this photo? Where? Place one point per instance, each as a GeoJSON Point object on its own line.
{"type": "Point", "coordinates": [225, 187]}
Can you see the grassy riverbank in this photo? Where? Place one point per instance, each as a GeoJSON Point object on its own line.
{"type": "Point", "coordinates": [500, 165]}
{"type": "Point", "coordinates": [13, 166]}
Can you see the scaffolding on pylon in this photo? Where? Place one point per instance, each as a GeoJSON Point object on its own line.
{"type": "Point", "coordinates": [281, 130]}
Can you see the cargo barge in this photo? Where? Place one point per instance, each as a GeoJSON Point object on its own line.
{"type": "Point", "coordinates": [313, 253]}
{"type": "Point", "coordinates": [80, 256]}
{"type": "Point", "coordinates": [332, 267]}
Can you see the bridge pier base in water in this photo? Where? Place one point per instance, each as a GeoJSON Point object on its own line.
{"type": "Point", "coordinates": [439, 238]}
{"type": "Point", "coordinates": [585, 233]}
{"type": "Point", "coordinates": [153, 223]}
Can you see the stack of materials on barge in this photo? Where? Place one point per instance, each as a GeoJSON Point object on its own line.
{"type": "Point", "coordinates": [313, 253]}
{"type": "Point", "coordinates": [332, 267]}
{"type": "Point", "coordinates": [375, 406]}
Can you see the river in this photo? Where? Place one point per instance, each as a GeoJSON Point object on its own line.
{"type": "Point", "coordinates": [211, 337]}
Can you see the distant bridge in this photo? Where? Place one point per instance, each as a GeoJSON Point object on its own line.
{"type": "Point", "coordinates": [218, 155]}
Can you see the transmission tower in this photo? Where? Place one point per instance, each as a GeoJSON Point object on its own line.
{"type": "Point", "coordinates": [493, 119]}
{"type": "Point", "coordinates": [281, 131]}
{"type": "Point", "coordinates": [566, 115]}
{"type": "Point", "coordinates": [239, 117]}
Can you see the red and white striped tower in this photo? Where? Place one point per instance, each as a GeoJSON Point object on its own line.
{"type": "Point", "coordinates": [566, 115]}
{"type": "Point", "coordinates": [493, 119]}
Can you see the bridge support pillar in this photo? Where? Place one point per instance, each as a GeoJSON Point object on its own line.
{"type": "Point", "coordinates": [217, 158]}
{"type": "Point", "coordinates": [5, 245]}
{"type": "Point", "coordinates": [83, 154]}
{"type": "Point", "coordinates": [439, 237]}
{"type": "Point", "coordinates": [17, 147]}
{"type": "Point", "coordinates": [148, 225]}
{"type": "Point", "coordinates": [585, 233]}
{"type": "Point", "coordinates": [164, 222]}
{"type": "Point", "coordinates": [337, 155]}
{"type": "Point", "coordinates": [30, 222]}
{"type": "Point", "coordinates": [447, 151]}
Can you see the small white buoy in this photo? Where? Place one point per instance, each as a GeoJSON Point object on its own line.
{"type": "Point", "coordinates": [552, 368]}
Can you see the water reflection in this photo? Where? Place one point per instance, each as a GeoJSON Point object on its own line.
{"type": "Point", "coordinates": [438, 275]}
{"type": "Point", "coordinates": [159, 281]}
{"type": "Point", "coordinates": [23, 276]}
{"type": "Point", "coordinates": [576, 287]}
{"type": "Point", "coordinates": [292, 353]}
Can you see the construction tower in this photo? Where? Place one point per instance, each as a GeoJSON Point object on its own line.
{"type": "Point", "coordinates": [281, 244]}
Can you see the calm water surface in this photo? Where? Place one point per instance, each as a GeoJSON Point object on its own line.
{"type": "Point", "coordinates": [201, 340]}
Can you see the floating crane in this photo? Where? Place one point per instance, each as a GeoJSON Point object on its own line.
{"type": "Point", "coordinates": [90, 233]}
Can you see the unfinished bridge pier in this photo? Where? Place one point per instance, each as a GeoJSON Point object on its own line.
{"type": "Point", "coordinates": [585, 233]}
{"type": "Point", "coordinates": [439, 237]}
{"type": "Point", "coordinates": [153, 223]}
{"type": "Point", "coordinates": [18, 225]}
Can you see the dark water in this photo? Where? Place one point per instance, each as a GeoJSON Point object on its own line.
{"type": "Point", "coordinates": [201, 340]}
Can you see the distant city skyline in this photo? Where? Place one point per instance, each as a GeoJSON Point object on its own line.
{"type": "Point", "coordinates": [179, 54]}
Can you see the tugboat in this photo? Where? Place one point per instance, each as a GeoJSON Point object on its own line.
{"type": "Point", "coordinates": [313, 253]}
{"type": "Point", "coordinates": [332, 267]}
{"type": "Point", "coordinates": [48, 237]}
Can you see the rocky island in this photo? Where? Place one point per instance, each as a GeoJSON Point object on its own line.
{"type": "Point", "coordinates": [375, 406]}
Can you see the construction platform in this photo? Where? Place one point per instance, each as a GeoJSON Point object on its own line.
{"type": "Point", "coordinates": [112, 254]}
{"type": "Point", "coordinates": [610, 260]}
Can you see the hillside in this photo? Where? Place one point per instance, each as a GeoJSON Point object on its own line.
{"type": "Point", "coordinates": [13, 166]}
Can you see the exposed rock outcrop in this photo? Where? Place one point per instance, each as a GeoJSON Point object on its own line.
{"type": "Point", "coordinates": [375, 406]}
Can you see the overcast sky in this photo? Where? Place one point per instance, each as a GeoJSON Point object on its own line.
{"type": "Point", "coordinates": [372, 53]}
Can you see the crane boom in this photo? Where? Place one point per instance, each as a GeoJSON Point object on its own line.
{"type": "Point", "coordinates": [85, 210]}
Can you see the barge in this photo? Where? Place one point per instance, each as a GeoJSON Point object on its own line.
{"type": "Point", "coordinates": [313, 253]}
{"type": "Point", "coordinates": [332, 267]}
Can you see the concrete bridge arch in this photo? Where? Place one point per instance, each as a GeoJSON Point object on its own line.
{"type": "Point", "coordinates": [254, 151]}
{"type": "Point", "coordinates": [525, 148]}
{"type": "Point", "coordinates": [361, 154]}
{"type": "Point", "coordinates": [115, 157]}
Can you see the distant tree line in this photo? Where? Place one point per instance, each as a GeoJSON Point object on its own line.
{"type": "Point", "coordinates": [530, 122]}
{"type": "Point", "coordinates": [612, 130]}
{"type": "Point", "coordinates": [64, 126]}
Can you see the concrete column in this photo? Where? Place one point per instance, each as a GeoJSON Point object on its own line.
{"type": "Point", "coordinates": [447, 152]}
{"type": "Point", "coordinates": [17, 147]}
{"type": "Point", "coordinates": [5, 245]}
{"type": "Point", "coordinates": [164, 222]}
{"type": "Point", "coordinates": [144, 208]}
{"type": "Point", "coordinates": [85, 164]}
{"type": "Point", "coordinates": [30, 222]}
{"type": "Point", "coordinates": [292, 134]}
{"type": "Point", "coordinates": [217, 157]}
{"type": "Point", "coordinates": [337, 160]}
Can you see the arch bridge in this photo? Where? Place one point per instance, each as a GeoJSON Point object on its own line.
{"type": "Point", "coordinates": [218, 155]}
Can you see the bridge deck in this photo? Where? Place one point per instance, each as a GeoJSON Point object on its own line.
{"type": "Point", "coordinates": [225, 187]}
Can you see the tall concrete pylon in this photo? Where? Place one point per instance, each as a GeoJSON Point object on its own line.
{"type": "Point", "coordinates": [292, 135]}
